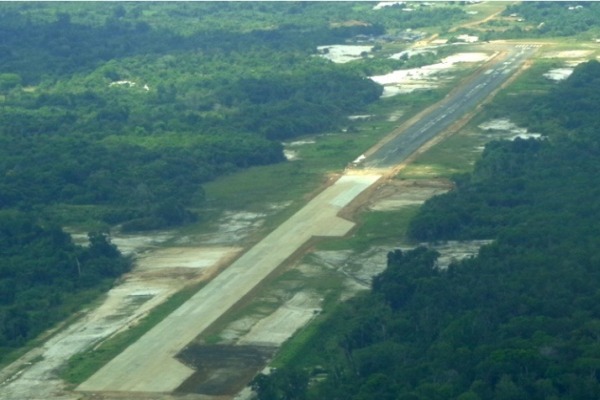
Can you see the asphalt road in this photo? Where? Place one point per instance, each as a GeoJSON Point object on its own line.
{"type": "Point", "coordinates": [450, 109]}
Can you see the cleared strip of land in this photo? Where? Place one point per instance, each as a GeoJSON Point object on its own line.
{"type": "Point", "coordinates": [149, 365]}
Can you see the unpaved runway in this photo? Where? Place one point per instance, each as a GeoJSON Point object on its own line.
{"type": "Point", "coordinates": [149, 365]}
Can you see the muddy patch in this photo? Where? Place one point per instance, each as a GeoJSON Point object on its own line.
{"type": "Point", "coordinates": [284, 322]}
{"type": "Point", "coordinates": [356, 269]}
{"type": "Point", "coordinates": [558, 74]}
{"type": "Point", "coordinates": [222, 370]}
{"type": "Point", "coordinates": [453, 251]}
{"type": "Point", "coordinates": [127, 244]}
{"type": "Point", "coordinates": [399, 194]}
{"type": "Point", "coordinates": [276, 321]}
{"type": "Point", "coordinates": [233, 228]}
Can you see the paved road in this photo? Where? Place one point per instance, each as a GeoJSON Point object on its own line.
{"type": "Point", "coordinates": [450, 109]}
{"type": "Point", "coordinates": [149, 365]}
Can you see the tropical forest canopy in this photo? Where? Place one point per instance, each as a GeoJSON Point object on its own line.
{"type": "Point", "coordinates": [117, 113]}
{"type": "Point", "coordinates": [519, 321]}
{"type": "Point", "coordinates": [135, 105]}
{"type": "Point", "coordinates": [545, 19]}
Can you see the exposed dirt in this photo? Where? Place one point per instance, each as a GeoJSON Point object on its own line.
{"type": "Point", "coordinates": [158, 273]}
{"type": "Point", "coordinates": [343, 53]}
{"type": "Point", "coordinates": [397, 194]}
{"type": "Point", "coordinates": [425, 77]}
{"type": "Point", "coordinates": [137, 368]}
{"type": "Point", "coordinates": [504, 129]}
{"type": "Point", "coordinates": [568, 54]}
{"type": "Point", "coordinates": [222, 370]}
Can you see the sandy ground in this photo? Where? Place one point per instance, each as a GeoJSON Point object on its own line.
{"type": "Point", "coordinates": [426, 77]}
{"type": "Point", "coordinates": [157, 274]}
{"type": "Point", "coordinates": [571, 58]}
{"type": "Point", "coordinates": [160, 272]}
{"type": "Point", "coordinates": [398, 194]}
{"type": "Point", "coordinates": [343, 53]}
{"type": "Point", "coordinates": [284, 322]}
{"type": "Point", "coordinates": [503, 128]}
{"type": "Point", "coordinates": [137, 368]}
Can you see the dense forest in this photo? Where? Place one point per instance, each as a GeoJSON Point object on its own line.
{"type": "Point", "coordinates": [538, 19]}
{"type": "Point", "coordinates": [135, 105]}
{"type": "Point", "coordinates": [519, 321]}
{"type": "Point", "coordinates": [117, 114]}
{"type": "Point", "coordinates": [44, 277]}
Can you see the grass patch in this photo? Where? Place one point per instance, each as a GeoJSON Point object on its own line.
{"type": "Point", "coordinates": [258, 188]}
{"type": "Point", "coordinates": [254, 187]}
{"type": "Point", "coordinates": [375, 228]}
{"type": "Point", "coordinates": [455, 155]}
{"type": "Point", "coordinates": [297, 346]}
{"type": "Point", "coordinates": [83, 365]}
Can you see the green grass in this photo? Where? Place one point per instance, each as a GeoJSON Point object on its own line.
{"type": "Point", "coordinates": [83, 365]}
{"type": "Point", "coordinates": [258, 188]}
{"type": "Point", "coordinates": [295, 347]}
{"type": "Point", "coordinates": [455, 155]}
{"type": "Point", "coordinates": [375, 228]}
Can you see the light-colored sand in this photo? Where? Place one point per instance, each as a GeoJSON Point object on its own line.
{"type": "Point", "coordinates": [157, 275]}
{"type": "Point", "coordinates": [343, 53]}
{"type": "Point", "coordinates": [503, 128]}
{"type": "Point", "coordinates": [149, 364]}
{"type": "Point", "coordinates": [284, 322]}
{"type": "Point", "coordinates": [568, 54]}
{"type": "Point", "coordinates": [384, 4]}
{"type": "Point", "coordinates": [425, 77]}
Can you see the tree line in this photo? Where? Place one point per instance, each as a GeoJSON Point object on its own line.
{"type": "Point", "coordinates": [519, 321]}
{"type": "Point", "coordinates": [44, 276]}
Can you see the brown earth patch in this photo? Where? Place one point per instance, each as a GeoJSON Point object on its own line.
{"type": "Point", "coordinates": [222, 370]}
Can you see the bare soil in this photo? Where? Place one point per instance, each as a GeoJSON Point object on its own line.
{"type": "Point", "coordinates": [222, 370]}
{"type": "Point", "coordinates": [137, 368]}
{"type": "Point", "coordinates": [396, 194]}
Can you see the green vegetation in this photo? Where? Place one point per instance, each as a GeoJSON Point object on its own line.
{"type": "Point", "coordinates": [119, 115]}
{"type": "Point", "coordinates": [44, 277]}
{"type": "Point", "coordinates": [139, 125]}
{"type": "Point", "coordinates": [375, 228]}
{"type": "Point", "coordinates": [545, 19]}
{"type": "Point", "coordinates": [519, 320]}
